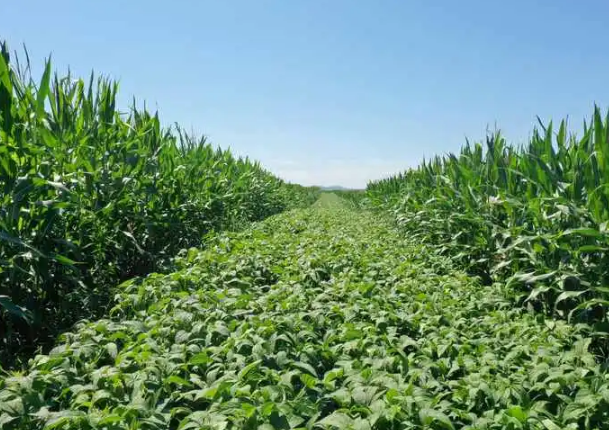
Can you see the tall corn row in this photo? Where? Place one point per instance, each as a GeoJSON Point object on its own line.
{"type": "Point", "coordinates": [535, 217]}
{"type": "Point", "coordinates": [90, 197]}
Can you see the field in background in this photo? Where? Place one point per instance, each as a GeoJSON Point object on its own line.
{"type": "Point", "coordinates": [90, 197]}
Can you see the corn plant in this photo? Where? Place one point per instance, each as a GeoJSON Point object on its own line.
{"type": "Point", "coordinates": [90, 197]}
{"type": "Point", "coordinates": [534, 217]}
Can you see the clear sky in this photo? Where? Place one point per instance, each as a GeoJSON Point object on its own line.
{"type": "Point", "coordinates": [334, 91]}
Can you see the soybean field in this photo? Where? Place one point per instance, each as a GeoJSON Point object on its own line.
{"type": "Point", "coordinates": [325, 318]}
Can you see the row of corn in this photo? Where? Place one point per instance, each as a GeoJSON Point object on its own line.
{"type": "Point", "coordinates": [90, 196]}
{"type": "Point", "coordinates": [533, 217]}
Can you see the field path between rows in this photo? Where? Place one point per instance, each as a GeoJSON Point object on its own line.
{"type": "Point", "coordinates": [325, 317]}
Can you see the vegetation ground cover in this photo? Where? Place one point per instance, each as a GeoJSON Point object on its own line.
{"type": "Point", "coordinates": [323, 317]}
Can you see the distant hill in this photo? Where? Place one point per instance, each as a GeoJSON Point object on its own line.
{"type": "Point", "coordinates": [335, 188]}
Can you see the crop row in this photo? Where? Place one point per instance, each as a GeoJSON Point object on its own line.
{"type": "Point", "coordinates": [90, 197]}
{"type": "Point", "coordinates": [534, 218]}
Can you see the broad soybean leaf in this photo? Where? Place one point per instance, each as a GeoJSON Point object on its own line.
{"type": "Point", "coordinates": [361, 424]}
{"type": "Point", "coordinates": [100, 395]}
{"type": "Point", "coordinates": [279, 421]}
{"type": "Point", "coordinates": [58, 419]}
{"type": "Point", "coordinates": [550, 425]}
{"type": "Point", "coordinates": [364, 395]}
{"type": "Point", "coordinates": [199, 359]}
{"type": "Point", "coordinates": [14, 407]}
{"type": "Point", "coordinates": [337, 420]}
{"type": "Point", "coordinates": [247, 369]}
{"type": "Point", "coordinates": [518, 413]}
{"type": "Point", "coordinates": [208, 393]}
{"type": "Point", "coordinates": [204, 419]}
{"type": "Point", "coordinates": [331, 375]}
{"type": "Point", "coordinates": [308, 380]}
{"type": "Point", "coordinates": [428, 416]}
{"type": "Point", "coordinates": [174, 379]}
{"type": "Point", "coordinates": [574, 411]}
{"type": "Point", "coordinates": [342, 396]}
{"type": "Point", "coordinates": [305, 367]}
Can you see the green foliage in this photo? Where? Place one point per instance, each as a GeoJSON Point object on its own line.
{"type": "Point", "coordinates": [357, 198]}
{"type": "Point", "coordinates": [319, 318]}
{"type": "Point", "coordinates": [90, 197]}
{"type": "Point", "coordinates": [533, 217]}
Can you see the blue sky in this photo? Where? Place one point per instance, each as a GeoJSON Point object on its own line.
{"type": "Point", "coordinates": [334, 91]}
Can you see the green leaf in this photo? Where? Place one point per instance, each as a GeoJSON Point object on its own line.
{"type": "Point", "coordinates": [550, 425]}
{"type": "Point", "coordinates": [336, 419]}
{"type": "Point", "coordinates": [199, 359]}
{"type": "Point", "coordinates": [429, 416]}
{"type": "Point", "coordinates": [342, 396]}
{"type": "Point", "coordinates": [518, 413]}
{"type": "Point", "coordinates": [59, 186]}
{"type": "Point", "coordinates": [568, 295]}
{"type": "Point", "coordinates": [364, 395]}
{"type": "Point", "coordinates": [279, 421]}
{"type": "Point", "coordinates": [361, 424]}
{"type": "Point", "coordinates": [591, 248]}
{"type": "Point", "coordinates": [43, 90]}
{"type": "Point", "coordinates": [308, 380]}
{"type": "Point", "coordinates": [208, 393]}
{"type": "Point", "coordinates": [61, 418]}
{"type": "Point", "coordinates": [582, 231]}
{"type": "Point", "coordinates": [5, 78]}
{"type": "Point", "coordinates": [531, 278]}
{"type": "Point", "coordinates": [305, 367]}
{"type": "Point", "coordinates": [108, 420]}
{"type": "Point", "coordinates": [174, 379]}
{"type": "Point", "coordinates": [101, 395]}
{"type": "Point", "coordinates": [11, 308]}
{"type": "Point", "coordinates": [247, 369]}
{"type": "Point", "coordinates": [112, 349]}
{"type": "Point", "coordinates": [64, 260]}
